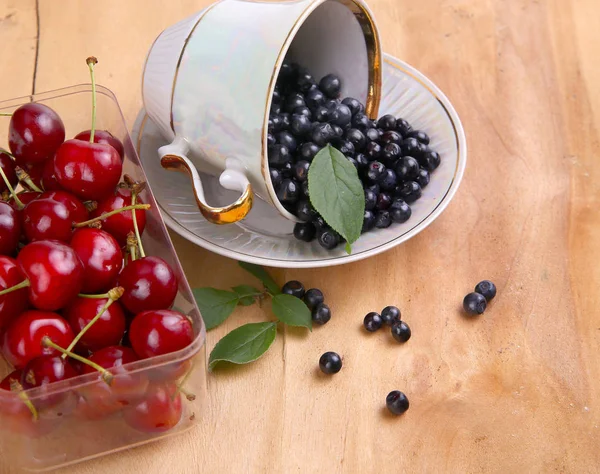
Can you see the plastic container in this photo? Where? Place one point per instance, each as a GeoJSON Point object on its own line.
{"type": "Point", "coordinates": [82, 418]}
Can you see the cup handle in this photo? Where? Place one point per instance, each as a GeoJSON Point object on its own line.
{"type": "Point", "coordinates": [174, 157]}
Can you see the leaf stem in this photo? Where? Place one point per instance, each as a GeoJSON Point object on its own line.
{"type": "Point", "coordinates": [106, 215]}
{"type": "Point", "coordinates": [91, 61]}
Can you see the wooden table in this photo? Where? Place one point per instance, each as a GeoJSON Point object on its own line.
{"type": "Point", "coordinates": [515, 390]}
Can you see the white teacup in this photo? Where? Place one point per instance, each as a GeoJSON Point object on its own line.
{"type": "Point", "coordinates": [209, 79]}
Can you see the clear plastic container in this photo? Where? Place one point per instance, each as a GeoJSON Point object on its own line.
{"type": "Point", "coordinates": [83, 417]}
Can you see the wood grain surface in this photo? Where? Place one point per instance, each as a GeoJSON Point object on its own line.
{"type": "Point", "coordinates": [516, 390]}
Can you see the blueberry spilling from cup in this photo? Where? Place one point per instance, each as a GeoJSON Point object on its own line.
{"type": "Point", "coordinates": [393, 160]}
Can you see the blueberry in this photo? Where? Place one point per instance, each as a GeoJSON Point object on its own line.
{"type": "Point", "coordinates": [407, 168]}
{"type": "Point", "coordinates": [293, 101]}
{"type": "Point", "coordinates": [305, 212]}
{"type": "Point", "coordinates": [288, 191]}
{"type": "Point", "coordinates": [276, 177]}
{"type": "Point", "coordinates": [368, 221]}
{"type": "Point", "coordinates": [430, 160]}
{"type": "Point", "coordinates": [346, 147]}
{"type": "Point", "coordinates": [474, 303]}
{"type": "Point", "coordinates": [419, 135]}
{"type": "Point", "coordinates": [322, 134]}
{"type": "Point", "coordinates": [300, 125]}
{"type": "Point", "coordinates": [391, 153]}
{"type": "Point", "coordinates": [410, 191]}
{"type": "Point", "coordinates": [307, 151]}
{"type": "Point", "coordinates": [328, 238]}
{"type": "Point", "coordinates": [304, 188]}
{"type": "Point", "coordinates": [360, 121]}
{"type": "Point", "coordinates": [330, 85]}
{"type": "Point", "coordinates": [372, 322]}
{"type": "Point", "coordinates": [357, 138]}
{"type": "Point", "coordinates": [396, 402]}
{"type": "Point", "coordinates": [270, 139]}
{"type": "Point", "coordinates": [374, 187]}
{"type": "Point", "coordinates": [286, 71]}
{"type": "Point", "coordinates": [313, 298]}
{"type": "Point", "coordinates": [361, 161]}
{"type": "Point", "coordinates": [321, 314]}
{"type": "Point", "coordinates": [319, 223]}
{"type": "Point", "coordinates": [390, 315]}
{"type": "Point", "coordinates": [400, 211]}
{"type": "Point", "coordinates": [339, 131]}
{"type": "Point", "coordinates": [331, 104]}
{"type": "Point", "coordinates": [287, 170]}
{"type": "Point", "coordinates": [287, 139]}
{"type": "Point", "coordinates": [301, 170]}
{"type": "Point", "coordinates": [487, 289]}
{"type": "Point", "coordinates": [314, 98]}
{"type": "Point", "coordinates": [275, 109]}
{"type": "Point", "coordinates": [384, 201]}
{"type": "Point", "coordinates": [294, 288]}
{"type": "Point", "coordinates": [304, 110]}
{"type": "Point", "coordinates": [423, 178]}
{"type": "Point", "coordinates": [403, 127]}
{"type": "Point", "coordinates": [276, 97]}
{"type": "Point", "coordinates": [383, 220]}
{"type": "Point", "coordinates": [305, 81]}
{"type": "Point", "coordinates": [372, 135]}
{"type": "Point", "coordinates": [330, 363]}
{"type": "Point", "coordinates": [285, 121]}
{"type": "Point", "coordinates": [400, 331]}
{"type": "Point", "coordinates": [389, 180]}
{"type": "Point", "coordinates": [355, 105]}
{"type": "Point", "coordinates": [376, 171]}
{"type": "Point", "coordinates": [410, 147]}
{"type": "Point", "coordinates": [278, 155]}
{"type": "Point", "coordinates": [370, 200]}
{"type": "Point", "coordinates": [321, 113]}
{"type": "Point", "coordinates": [274, 124]}
{"type": "Point", "coordinates": [343, 115]}
{"type": "Point", "coordinates": [422, 150]}
{"type": "Point", "coordinates": [373, 150]}
{"type": "Point", "coordinates": [305, 231]}
{"type": "Point", "coordinates": [391, 136]}
{"type": "Point", "coordinates": [387, 122]}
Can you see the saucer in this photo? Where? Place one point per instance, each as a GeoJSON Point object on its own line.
{"type": "Point", "coordinates": [265, 237]}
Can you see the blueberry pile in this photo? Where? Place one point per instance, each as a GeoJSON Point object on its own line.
{"type": "Point", "coordinates": [392, 159]}
{"type": "Point", "coordinates": [476, 302]}
{"type": "Point", "coordinates": [390, 316]}
{"type": "Point", "coordinates": [314, 299]}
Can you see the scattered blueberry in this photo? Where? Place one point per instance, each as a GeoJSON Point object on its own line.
{"type": "Point", "coordinates": [313, 298]}
{"type": "Point", "coordinates": [372, 322]}
{"type": "Point", "coordinates": [400, 331]}
{"type": "Point", "coordinates": [294, 288]}
{"type": "Point", "coordinates": [329, 239]}
{"type": "Point", "coordinates": [410, 147]}
{"type": "Point", "coordinates": [373, 134]}
{"type": "Point", "coordinates": [390, 315]}
{"type": "Point", "coordinates": [343, 115]}
{"type": "Point", "coordinates": [396, 402]}
{"type": "Point", "coordinates": [339, 131]}
{"type": "Point", "coordinates": [321, 314]}
{"type": "Point", "coordinates": [305, 231]}
{"type": "Point", "coordinates": [474, 303]}
{"type": "Point", "coordinates": [293, 101]}
{"type": "Point", "coordinates": [330, 363]}
{"type": "Point", "coordinates": [487, 289]}
{"type": "Point", "coordinates": [390, 153]}
{"type": "Point", "coordinates": [361, 161]}
{"type": "Point", "coordinates": [271, 139]}
{"type": "Point", "coordinates": [305, 81]}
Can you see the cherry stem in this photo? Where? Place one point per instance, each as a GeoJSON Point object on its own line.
{"type": "Point", "coordinates": [132, 245]}
{"type": "Point", "coordinates": [135, 225]}
{"type": "Point", "coordinates": [190, 396]}
{"type": "Point", "coordinates": [5, 114]}
{"type": "Point", "coordinates": [22, 175]}
{"type": "Point", "coordinates": [18, 286]}
{"type": "Point", "coordinates": [91, 61]}
{"type": "Point", "coordinates": [113, 295]}
{"type": "Point", "coordinates": [19, 203]}
{"type": "Point", "coordinates": [106, 375]}
{"type": "Point", "coordinates": [106, 215]}
{"type": "Point", "coordinates": [17, 387]}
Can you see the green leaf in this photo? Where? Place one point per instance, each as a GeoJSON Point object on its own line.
{"type": "Point", "coordinates": [215, 305]}
{"type": "Point", "coordinates": [337, 193]}
{"type": "Point", "coordinates": [246, 294]}
{"type": "Point", "coordinates": [291, 311]}
{"type": "Point", "coordinates": [244, 344]}
{"type": "Point", "coordinates": [260, 273]}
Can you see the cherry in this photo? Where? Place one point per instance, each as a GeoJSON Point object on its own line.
{"type": "Point", "coordinates": [10, 229]}
{"type": "Point", "coordinates": [104, 137]}
{"type": "Point", "coordinates": [121, 224]}
{"type": "Point", "coordinates": [108, 330]}
{"type": "Point", "coordinates": [35, 133]}
{"type": "Point", "coordinates": [101, 256]}
{"type": "Point", "coordinates": [24, 198]}
{"type": "Point", "coordinates": [48, 180]}
{"type": "Point", "coordinates": [154, 333]}
{"type": "Point", "coordinates": [45, 370]}
{"type": "Point", "coordinates": [149, 283]}
{"type": "Point", "coordinates": [22, 340]}
{"type": "Point", "coordinates": [14, 303]}
{"type": "Point", "coordinates": [52, 215]}
{"type": "Point", "coordinates": [8, 166]}
{"type": "Point", "coordinates": [53, 271]}
{"type": "Point", "coordinates": [159, 411]}
{"type": "Point", "coordinates": [31, 176]}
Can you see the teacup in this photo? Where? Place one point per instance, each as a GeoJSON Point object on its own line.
{"type": "Point", "coordinates": [209, 79]}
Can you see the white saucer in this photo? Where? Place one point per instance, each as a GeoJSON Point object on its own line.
{"type": "Point", "coordinates": [265, 237]}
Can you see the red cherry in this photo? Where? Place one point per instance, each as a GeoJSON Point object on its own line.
{"type": "Point", "coordinates": [35, 172]}
{"type": "Point", "coordinates": [119, 225]}
{"type": "Point", "coordinates": [15, 376]}
{"type": "Point", "coordinates": [159, 411]}
{"type": "Point", "coordinates": [154, 333]}
{"type": "Point", "coordinates": [49, 181]}
{"type": "Point", "coordinates": [35, 133]}
{"type": "Point", "coordinates": [23, 338]}
{"type": "Point", "coordinates": [14, 303]}
{"type": "Point", "coordinates": [45, 370]}
{"type": "Point", "coordinates": [106, 331]}
{"type": "Point", "coordinates": [8, 166]}
{"type": "Point", "coordinates": [105, 137]}
{"type": "Point", "coordinates": [25, 198]}
{"type": "Point", "coordinates": [91, 171]}
{"type": "Point", "coordinates": [101, 256]}
{"type": "Point", "coordinates": [149, 283]}
{"type": "Point", "coordinates": [10, 229]}
{"type": "Point", "coordinates": [54, 272]}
